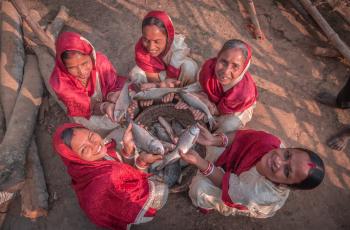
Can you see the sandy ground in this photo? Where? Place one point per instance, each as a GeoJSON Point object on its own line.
{"type": "Point", "coordinates": [288, 77]}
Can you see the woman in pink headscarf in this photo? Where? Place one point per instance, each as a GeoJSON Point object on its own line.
{"type": "Point", "coordinates": [86, 82]}
{"type": "Point", "coordinates": [112, 193]}
{"type": "Point", "coordinates": [229, 90]}
{"type": "Point", "coordinates": [162, 56]}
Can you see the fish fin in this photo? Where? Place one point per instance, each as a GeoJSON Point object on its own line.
{"type": "Point", "coordinates": [212, 122]}
{"type": "Point", "coordinates": [194, 87]}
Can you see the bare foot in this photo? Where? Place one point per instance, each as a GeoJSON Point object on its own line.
{"type": "Point", "coordinates": [326, 99]}
{"type": "Point", "coordinates": [339, 141]}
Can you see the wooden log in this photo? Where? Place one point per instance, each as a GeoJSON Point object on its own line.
{"type": "Point", "coordinates": [326, 52]}
{"type": "Point", "coordinates": [20, 129]}
{"type": "Point", "coordinates": [12, 58]}
{"type": "Point", "coordinates": [57, 24]}
{"type": "Point", "coordinates": [327, 29]}
{"type": "Point", "coordinates": [257, 29]}
{"type": "Point", "coordinates": [40, 33]}
{"type": "Point", "coordinates": [34, 194]}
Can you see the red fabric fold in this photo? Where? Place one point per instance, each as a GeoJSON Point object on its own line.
{"type": "Point", "coordinates": [156, 64]}
{"type": "Point", "coordinates": [111, 193]}
{"type": "Point", "coordinates": [248, 147]}
{"type": "Point", "coordinates": [69, 89]}
{"type": "Point", "coordinates": [237, 99]}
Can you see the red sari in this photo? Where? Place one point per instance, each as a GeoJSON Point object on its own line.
{"type": "Point", "coordinates": [248, 147]}
{"type": "Point", "coordinates": [111, 193]}
{"type": "Point", "coordinates": [237, 99]}
{"type": "Point", "coordinates": [151, 64]}
{"type": "Point", "coordinates": [69, 89]}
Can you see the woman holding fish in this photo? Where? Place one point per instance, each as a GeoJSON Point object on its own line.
{"type": "Point", "coordinates": [112, 193]}
{"type": "Point", "coordinates": [162, 56]}
{"type": "Point", "coordinates": [86, 82]}
{"type": "Point", "coordinates": [252, 176]}
{"type": "Point", "coordinates": [229, 91]}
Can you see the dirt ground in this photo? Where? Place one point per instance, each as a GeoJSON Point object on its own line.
{"type": "Point", "coordinates": [288, 78]}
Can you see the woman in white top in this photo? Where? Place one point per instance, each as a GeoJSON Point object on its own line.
{"type": "Point", "coordinates": [252, 176]}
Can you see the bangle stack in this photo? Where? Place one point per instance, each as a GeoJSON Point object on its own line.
{"type": "Point", "coordinates": [140, 164]}
{"type": "Point", "coordinates": [126, 155]}
{"type": "Point", "coordinates": [224, 139]}
{"type": "Point", "coordinates": [208, 171]}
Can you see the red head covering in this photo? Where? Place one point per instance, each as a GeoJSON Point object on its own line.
{"type": "Point", "coordinates": [247, 148]}
{"type": "Point", "coordinates": [111, 193]}
{"type": "Point", "coordinates": [240, 97]}
{"type": "Point", "coordinates": [156, 64]}
{"type": "Point", "coordinates": [68, 88]}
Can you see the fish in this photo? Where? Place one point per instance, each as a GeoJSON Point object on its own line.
{"type": "Point", "coordinates": [177, 127]}
{"type": "Point", "coordinates": [145, 141]}
{"type": "Point", "coordinates": [122, 103]}
{"type": "Point", "coordinates": [168, 147]}
{"type": "Point", "coordinates": [167, 128]}
{"type": "Point", "coordinates": [196, 103]}
{"type": "Point", "coordinates": [172, 173]}
{"type": "Point", "coordinates": [159, 93]}
{"type": "Point", "coordinates": [185, 143]}
{"type": "Point", "coordinates": [161, 133]}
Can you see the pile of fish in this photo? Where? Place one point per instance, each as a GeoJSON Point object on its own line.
{"type": "Point", "coordinates": [166, 138]}
{"type": "Point", "coordinates": [157, 94]}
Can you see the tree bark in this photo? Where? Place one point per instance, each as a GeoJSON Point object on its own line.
{"type": "Point", "coordinates": [12, 58]}
{"type": "Point", "coordinates": [57, 24]}
{"type": "Point", "coordinates": [40, 33]}
{"type": "Point", "coordinates": [20, 129]}
{"type": "Point", "coordinates": [34, 193]}
{"type": "Point", "coordinates": [327, 29]}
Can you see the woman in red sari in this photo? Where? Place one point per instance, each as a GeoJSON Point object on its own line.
{"type": "Point", "coordinates": [228, 88]}
{"type": "Point", "coordinates": [86, 82]}
{"type": "Point", "coordinates": [162, 56]}
{"type": "Point", "coordinates": [252, 176]}
{"type": "Point", "coordinates": [112, 193]}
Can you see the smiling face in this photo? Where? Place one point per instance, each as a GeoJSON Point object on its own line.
{"type": "Point", "coordinates": [285, 166]}
{"type": "Point", "coordinates": [229, 65]}
{"type": "Point", "coordinates": [79, 65]}
{"type": "Point", "coordinates": [88, 145]}
{"type": "Point", "coordinates": [154, 40]}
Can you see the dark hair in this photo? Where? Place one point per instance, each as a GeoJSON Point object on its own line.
{"type": "Point", "coordinates": [152, 21]}
{"type": "Point", "coordinates": [69, 53]}
{"type": "Point", "coordinates": [316, 174]}
{"type": "Point", "coordinates": [67, 135]}
{"type": "Point", "coordinates": [235, 44]}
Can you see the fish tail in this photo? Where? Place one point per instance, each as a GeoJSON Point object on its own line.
{"type": "Point", "coordinates": [211, 121]}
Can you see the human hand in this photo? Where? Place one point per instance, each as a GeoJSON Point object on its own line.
{"type": "Point", "coordinates": [132, 109]}
{"type": "Point", "coordinates": [148, 85]}
{"type": "Point", "coordinates": [113, 96]}
{"type": "Point", "coordinates": [150, 158]}
{"type": "Point", "coordinates": [197, 114]}
{"type": "Point", "coordinates": [108, 109]}
{"type": "Point", "coordinates": [205, 137]}
{"type": "Point", "coordinates": [146, 103]}
{"type": "Point", "coordinates": [191, 157]}
{"type": "Point", "coordinates": [128, 141]}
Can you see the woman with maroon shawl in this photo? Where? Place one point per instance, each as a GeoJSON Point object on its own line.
{"type": "Point", "coordinates": [228, 88]}
{"type": "Point", "coordinates": [112, 193]}
{"type": "Point", "coordinates": [86, 82]}
{"type": "Point", "coordinates": [252, 176]}
{"type": "Point", "coordinates": [162, 56]}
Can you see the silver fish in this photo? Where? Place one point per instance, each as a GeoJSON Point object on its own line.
{"type": "Point", "coordinates": [185, 143]}
{"type": "Point", "coordinates": [196, 103]}
{"type": "Point", "coordinates": [160, 133]}
{"type": "Point", "coordinates": [167, 128]}
{"type": "Point", "coordinates": [159, 93]}
{"type": "Point", "coordinates": [145, 141]}
{"type": "Point", "coordinates": [123, 102]}
{"type": "Point", "coordinates": [177, 127]}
